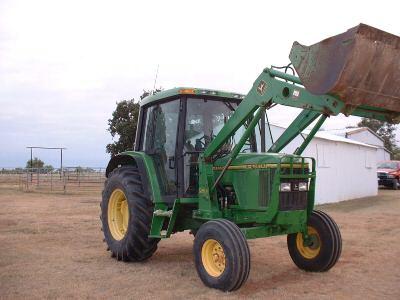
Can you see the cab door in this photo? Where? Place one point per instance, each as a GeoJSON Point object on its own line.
{"type": "Point", "coordinates": [159, 141]}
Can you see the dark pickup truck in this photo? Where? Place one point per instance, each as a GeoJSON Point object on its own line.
{"type": "Point", "coordinates": [389, 174]}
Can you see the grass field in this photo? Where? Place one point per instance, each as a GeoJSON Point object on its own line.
{"type": "Point", "coordinates": [51, 247]}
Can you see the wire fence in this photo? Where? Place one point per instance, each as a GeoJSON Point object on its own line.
{"type": "Point", "coordinates": [68, 179]}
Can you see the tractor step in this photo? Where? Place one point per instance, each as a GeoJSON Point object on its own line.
{"type": "Point", "coordinates": [163, 213]}
{"type": "Point", "coordinates": [163, 220]}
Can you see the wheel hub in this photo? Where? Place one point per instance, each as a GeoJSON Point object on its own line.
{"type": "Point", "coordinates": [213, 257]}
{"type": "Point", "coordinates": [118, 214]}
{"type": "Point", "coordinates": [311, 247]}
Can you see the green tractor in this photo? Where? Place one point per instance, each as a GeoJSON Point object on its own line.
{"type": "Point", "coordinates": [205, 161]}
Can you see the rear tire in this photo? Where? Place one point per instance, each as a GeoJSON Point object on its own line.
{"type": "Point", "coordinates": [325, 248]}
{"type": "Point", "coordinates": [222, 255]}
{"type": "Point", "coordinates": [126, 215]}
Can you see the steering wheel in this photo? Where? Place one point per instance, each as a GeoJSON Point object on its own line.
{"type": "Point", "coordinates": [204, 141]}
{"type": "Point", "coordinates": [245, 149]}
{"type": "Point", "coordinates": [200, 143]}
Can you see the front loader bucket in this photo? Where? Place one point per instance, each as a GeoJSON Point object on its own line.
{"type": "Point", "coordinates": [361, 66]}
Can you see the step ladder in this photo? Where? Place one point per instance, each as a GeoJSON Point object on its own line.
{"type": "Point", "coordinates": [163, 220]}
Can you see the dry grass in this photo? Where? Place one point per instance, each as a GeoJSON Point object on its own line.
{"type": "Point", "coordinates": [51, 247]}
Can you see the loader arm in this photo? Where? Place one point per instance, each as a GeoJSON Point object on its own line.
{"type": "Point", "coordinates": [355, 73]}
{"type": "Point", "coordinates": [274, 87]}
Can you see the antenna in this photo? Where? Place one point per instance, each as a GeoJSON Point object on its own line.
{"type": "Point", "coordinates": [155, 80]}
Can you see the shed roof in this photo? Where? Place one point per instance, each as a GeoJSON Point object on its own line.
{"type": "Point", "coordinates": [334, 138]}
{"type": "Point", "coordinates": [349, 131]}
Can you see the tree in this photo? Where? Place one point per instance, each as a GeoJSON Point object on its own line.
{"type": "Point", "coordinates": [48, 168]}
{"type": "Point", "coordinates": [35, 163]}
{"type": "Point", "coordinates": [396, 154]}
{"type": "Point", "coordinates": [386, 131]}
{"type": "Point", "coordinates": [123, 124]}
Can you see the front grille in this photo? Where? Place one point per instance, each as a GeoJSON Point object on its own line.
{"type": "Point", "coordinates": [293, 200]}
{"type": "Point", "coordinates": [266, 178]}
{"type": "Point", "coordinates": [382, 175]}
{"type": "Point", "coordinates": [296, 171]}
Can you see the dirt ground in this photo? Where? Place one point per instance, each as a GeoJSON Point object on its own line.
{"type": "Point", "coordinates": [51, 247]}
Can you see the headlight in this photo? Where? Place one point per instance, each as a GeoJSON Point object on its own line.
{"type": "Point", "coordinates": [285, 187]}
{"type": "Point", "coordinates": [303, 186]}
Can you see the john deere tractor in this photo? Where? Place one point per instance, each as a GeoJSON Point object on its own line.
{"type": "Point", "coordinates": [206, 161]}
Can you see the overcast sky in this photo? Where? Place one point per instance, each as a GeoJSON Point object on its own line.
{"type": "Point", "coordinates": [64, 64]}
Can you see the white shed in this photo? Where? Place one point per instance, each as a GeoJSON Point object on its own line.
{"type": "Point", "coordinates": [367, 136]}
{"type": "Point", "coordinates": [346, 169]}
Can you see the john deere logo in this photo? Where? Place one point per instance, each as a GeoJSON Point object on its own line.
{"type": "Point", "coordinates": [262, 86]}
{"type": "Point", "coordinates": [202, 190]}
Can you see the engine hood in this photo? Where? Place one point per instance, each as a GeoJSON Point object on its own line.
{"type": "Point", "coordinates": [255, 161]}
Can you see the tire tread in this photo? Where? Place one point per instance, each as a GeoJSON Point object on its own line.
{"type": "Point", "coordinates": [328, 256]}
{"type": "Point", "coordinates": [231, 234]}
{"type": "Point", "coordinates": [136, 245]}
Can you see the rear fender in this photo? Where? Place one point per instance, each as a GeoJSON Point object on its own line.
{"type": "Point", "coordinates": [146, 167]}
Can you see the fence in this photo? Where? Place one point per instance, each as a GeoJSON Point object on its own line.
{"type": "Point", "coordinates": [67, 179]}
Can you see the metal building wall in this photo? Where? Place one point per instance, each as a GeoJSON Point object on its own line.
{"type": "Point", "coordinates": [369, 138]}
{"type": "Point", "coordinates": [366, 137]}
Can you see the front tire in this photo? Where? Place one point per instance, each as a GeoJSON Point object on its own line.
{"type": "Point", "coordinates": [126, 215]}
{"type": "Point", "coordinates": [222, 255]}
{"type": "Point", "coordinates": [325, 244]}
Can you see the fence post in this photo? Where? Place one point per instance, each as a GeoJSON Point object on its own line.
{"type": "Point", "coordinates": [27, 178]}
{"type": "Point", "coordinates": [64, 179]}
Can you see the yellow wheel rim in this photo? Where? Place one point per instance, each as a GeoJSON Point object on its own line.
{"type": "Point", "coordinates": [311, 251]}
{"type": "Point", "coordinates": [118, 214]}
{"type": "Point", "coordinates": [213, 257]}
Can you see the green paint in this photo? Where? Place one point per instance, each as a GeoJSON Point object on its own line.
{"type": "Point", "coordinates": [310, 136]}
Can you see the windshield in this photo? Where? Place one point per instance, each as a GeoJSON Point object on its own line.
{"type": "Point", "coordinates": [204, 119]}
{"type": "Point", "coordinates": [388, 165]}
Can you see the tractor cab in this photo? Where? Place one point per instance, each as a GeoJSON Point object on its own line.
{"type": "Point", "coordinates": [176, 126]}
